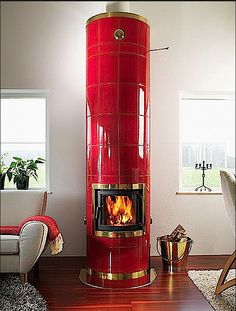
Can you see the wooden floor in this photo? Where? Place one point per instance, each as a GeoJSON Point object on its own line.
{"type": "Point", "coordinates": [59, 283]}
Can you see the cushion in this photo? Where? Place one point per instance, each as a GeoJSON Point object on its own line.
{"type": "Point", "coordinates": [9, 244]}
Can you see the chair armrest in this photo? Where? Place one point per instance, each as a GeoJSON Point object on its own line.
{"type": "Point", "coordinates": [33, 237]}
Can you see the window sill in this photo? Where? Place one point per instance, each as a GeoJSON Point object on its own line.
{"type": "Point", "coordinates": [198, 193]}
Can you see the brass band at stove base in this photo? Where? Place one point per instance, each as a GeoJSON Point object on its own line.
{"type": "Point", "coordinates": [117, 276]}
{"type": "Point", "coordinates": [120, 234]}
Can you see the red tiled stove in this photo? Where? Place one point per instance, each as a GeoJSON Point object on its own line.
{"type": "Point", "coordinates": [118, 174]}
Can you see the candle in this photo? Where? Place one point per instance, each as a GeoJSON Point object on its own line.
{"type": "Point", "coordinates": [204, 152]}
{"type": "Point", "coordinates": [210, 155]}
{"type": "Point", "coordinates": [199, 154]}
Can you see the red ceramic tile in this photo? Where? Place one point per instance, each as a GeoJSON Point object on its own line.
{"type": "Point", "coordinates": [148, 72]}
{"type": "Point", "coordinates": [108, 68]}
{"type": "Point", "coordinates": [102, 130]}
{"type": "Point", "coordinates": [142, 50]}
{"type": "Point", "coordinates": [89, 182]}
{"type": "Point", "coordinates": [130, 27]}
{"type": "Point", "coordinates": [133, 179]}
{"type": "Point", "coordinates": [128, 130]}
{"type": "Point", "coordinates": [142, 34]}
{"type": "Point", "coordinates": [143, 101]}
{"type": "Point", "coordinates": [128, 48]}
{"type": "Point", "coordinates": [134, 161]}
{"type": "Point", "coordinates": [147, 102]}
{"type": "Point", "coordinates": [89, 197]}
{"type": "Point", "coordinates": [129, 160]}
{"type": "Point", "coordinates": [143, 160]}
{"type": "Point", "coordinates": [109, 179]}
{"type": "Point", "coordinates": [142, 70]}
{"type": "Point", "coordinates": [93, 50]}
{"type": "Point", "coordinates": [147, 131]}
{"type": "Point", "coordinates": [92, 160]}
{"type": "Point", "coordinates": [148, 38]}
{"type": "Point", "coordinates": [129, 179]}
{"type": "Point", "coordinates": [92, 100]}
{"type": "Point", "coordinates": [107, 28]}
{"type": "Point", "coordinates": [128, 99]}
{"type": "Point", "coordinates": [141, 130]}
{"type": "Point", "coordinates": [108, 99]}
{"type": "Point", "coordinates": [92, 70]}
{"type": "Point", "coordinates": [109, 47]}
{"type": "Point", "coordinates": [95, 179]}
{"type": "Point", "coordinates": [128, 68]}
{"type": "Point", "coordinates": [92, 33]}
{"type": "Point", "coordinates": [88, 131]}
{"type": "Point", "coordinates": [129, 259]}
{"type": "Point", "coordinates": [108, 129]}
{"type": "Point", "coordinates": [105, 179]}
{"type": "Point", "coordinates": [108, 160]}
{"type": "Point", "coordinates": [102, 160]}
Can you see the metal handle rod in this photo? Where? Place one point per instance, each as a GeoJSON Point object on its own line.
{"type": "Point", "coordinates": [160, 49]}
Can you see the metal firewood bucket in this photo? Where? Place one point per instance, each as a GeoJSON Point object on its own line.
{"type": "Point", "coordinates": [174, 254]}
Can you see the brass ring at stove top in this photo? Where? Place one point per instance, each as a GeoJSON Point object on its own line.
{"type": "Point", "coordinates": [117, 276]}
{"type": "Point", "coordinates": [121, 234]}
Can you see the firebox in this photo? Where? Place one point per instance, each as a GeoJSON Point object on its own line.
{"type": "Point", "coordinates": [118, 208]}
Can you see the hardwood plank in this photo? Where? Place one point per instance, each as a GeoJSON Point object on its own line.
{"type": "Point", "coordinates": [58, 281]}
{"type": "Point", "coordinates": [171, 306]}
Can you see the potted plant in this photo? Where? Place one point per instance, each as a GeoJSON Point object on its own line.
{"type": "Point", "coordinates": [21, 170]}
{"type": "Point", "coordinates": [3, 170]}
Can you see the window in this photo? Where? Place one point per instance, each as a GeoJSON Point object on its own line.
{"type": "Point", "coordinates": [24, 131]}
{"type": "Point", "coordinates": [207, 130]}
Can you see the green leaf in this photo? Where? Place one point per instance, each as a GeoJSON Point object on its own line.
{"type": "Point", "coordinates": [39, 161]}
{"type": "Point", "coordinates": [9, 175]}
{"type": "Point", "coordinates": [17, 158]}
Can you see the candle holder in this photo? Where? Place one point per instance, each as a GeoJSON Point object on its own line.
{"type": "Point", "coordinates": [204, 167]}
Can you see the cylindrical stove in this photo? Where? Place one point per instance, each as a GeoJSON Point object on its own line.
{"type": "Point", "coordinates": [118, 166]}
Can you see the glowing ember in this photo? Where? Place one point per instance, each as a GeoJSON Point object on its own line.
{"type": "Point", "coordinates": [120, 210]}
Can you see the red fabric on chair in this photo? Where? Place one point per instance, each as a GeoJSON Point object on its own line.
{"type": "Point", "coordinates": [9, 230]}
{"type": "Point", "coordinates": [53, 230]}
{"type": "Point", "coordinates": [54, 234]}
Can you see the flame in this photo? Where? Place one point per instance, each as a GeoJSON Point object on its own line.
{"type": "Point", "coordinates": [120, 210]}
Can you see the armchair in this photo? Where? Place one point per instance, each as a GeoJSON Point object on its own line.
{"type": "Point", "coordinates": [228, 189]}
{"type": "Point", "coordinates": [19, 253]}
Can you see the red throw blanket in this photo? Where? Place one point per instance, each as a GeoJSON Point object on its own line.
{"type": "Point", "coordinates": [54, 234]}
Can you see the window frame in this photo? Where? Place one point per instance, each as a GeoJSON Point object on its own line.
{"type": "Point", "coordinates": [34, 93]}
{"type": "Point", "coordinates": [197, 95]}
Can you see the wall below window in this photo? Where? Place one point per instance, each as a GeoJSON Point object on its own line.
{"type": "Point", "coordinates": [43, 47]}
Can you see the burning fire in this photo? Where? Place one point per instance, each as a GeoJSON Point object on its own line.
{"type": "Point", "coordinates": [120, 210]}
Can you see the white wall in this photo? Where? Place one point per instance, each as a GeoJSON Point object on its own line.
{"type": "Point", "coordinates": [43, 47]}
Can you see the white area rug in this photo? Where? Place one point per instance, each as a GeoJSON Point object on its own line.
{"type": "Point", "coordinates": [206, 281]}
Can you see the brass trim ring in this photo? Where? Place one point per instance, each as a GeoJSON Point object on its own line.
{"type": "Point", "coordinates": [117, 14]}
{"type": "Point", "coordinates": [117, 276]}
{"type": "Point", "coordinates": [121, 234]}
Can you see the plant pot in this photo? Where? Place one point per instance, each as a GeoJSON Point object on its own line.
{"type": "Point", "coordinates": [23, 185]}
{"type": "Point", "coordinates": [2, 180]}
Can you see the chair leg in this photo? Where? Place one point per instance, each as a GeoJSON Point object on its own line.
{"type": "Point", "coordinates": [23, 277]}
{"type": "Point", "coordinates": [221, 286]}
